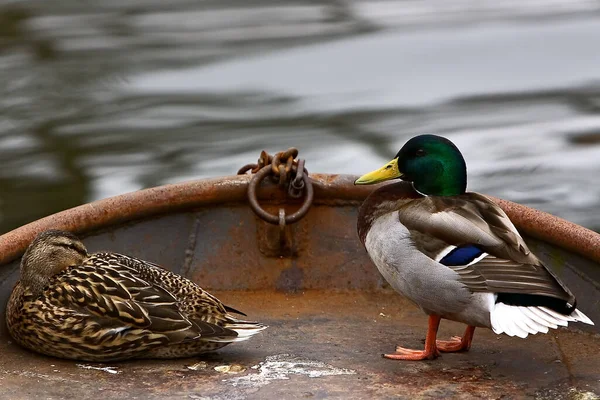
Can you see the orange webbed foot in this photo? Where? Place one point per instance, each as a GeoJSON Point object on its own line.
{"type": "Point", "coordinates": [457, 343]}
{"type": "Point", "coordinates": [413, 355]}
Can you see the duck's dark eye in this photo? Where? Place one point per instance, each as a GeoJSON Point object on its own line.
{"type": "Point", "coordinates": [420, 153]}
{"type": "Point", "coordinates": [73, 247]}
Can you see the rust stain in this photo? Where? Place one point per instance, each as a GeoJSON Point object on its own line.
{"type": "Point", "coordinates": [328, 189]}
{"type": "Point", "coordinates": [290, 279]}
{"type": "Point", "coordinates": [189, 251]}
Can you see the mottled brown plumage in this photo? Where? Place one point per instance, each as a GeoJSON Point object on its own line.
{"type": "Point", "coordinates": [108, 306]}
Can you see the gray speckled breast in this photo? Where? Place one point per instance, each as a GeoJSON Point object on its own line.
{"type": "Point", "coordinates": [430, 285]}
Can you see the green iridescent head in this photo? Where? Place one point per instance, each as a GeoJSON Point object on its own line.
{"type": "Point", "coordinates": [432, 163]}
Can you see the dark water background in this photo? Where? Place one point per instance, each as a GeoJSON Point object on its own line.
{"type": "Point", "coordinates": [99, 98]}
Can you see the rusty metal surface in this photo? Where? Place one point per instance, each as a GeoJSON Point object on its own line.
{"type": "Point", "coordinates": [325, 345]}
{"type": "Point", "coordinates": [146, 203]}
{"type": "Point", "coordinates": [328, 189]}
{"type": "Point", "coordinates": [330, 312]}
{"type": "Point", "coordinates": [227, 247]}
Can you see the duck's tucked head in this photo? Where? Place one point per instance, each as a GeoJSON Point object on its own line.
{"type": "Point", "coordinates": [432, 163]}
{"type": "Point", "coordinates": [50, 253]}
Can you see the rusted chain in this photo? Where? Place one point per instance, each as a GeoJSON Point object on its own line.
{"type": "Point", "coordinates": [288, 173]}
{"type": "Point", "coordinates": [297, 184]}
{"type": "Point", "coordinates": [265, 159]}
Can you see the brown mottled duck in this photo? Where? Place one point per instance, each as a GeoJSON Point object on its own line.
{"type": "Point", "coordinates": [109, 306]}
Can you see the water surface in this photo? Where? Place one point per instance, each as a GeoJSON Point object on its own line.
{"type": "Point", "coordinates": [99, 99]}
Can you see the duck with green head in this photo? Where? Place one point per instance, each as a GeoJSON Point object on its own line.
{"type": "Point", "coordinates": [455, 254]}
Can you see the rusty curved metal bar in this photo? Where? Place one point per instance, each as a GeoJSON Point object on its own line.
{"type": "Point", "coordinates": [151, 202]}
{"type": "Point", "coordinates": [273, 219]}
{"type": "Point", "coordinates": [552, 229]}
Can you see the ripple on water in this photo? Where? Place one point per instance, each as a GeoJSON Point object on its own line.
{"type": "Point", "coordinates": [102, 100]}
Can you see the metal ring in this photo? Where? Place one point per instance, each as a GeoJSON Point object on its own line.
{"type": "Point", "coordinates": [274, 219]}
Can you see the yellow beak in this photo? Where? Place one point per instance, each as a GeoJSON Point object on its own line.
{"type": "Point", "coordinates": [387, 172]}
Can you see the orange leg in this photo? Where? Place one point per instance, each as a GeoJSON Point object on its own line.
{"type": "Point", "coordinates": [430, 351]}
{"type": "Point", "coordinates": [457, 343]}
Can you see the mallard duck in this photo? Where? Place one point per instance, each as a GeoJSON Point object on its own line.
{"type": "Point", "coordinates": [455, 254]}
{"type": "Point", "coordinates": [109, 306]}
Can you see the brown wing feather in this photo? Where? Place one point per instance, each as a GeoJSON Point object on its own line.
{"type": "Point", "coordinates": [467, 219]}
{"type": "Point", "coordinates": [195, 302]}
{"type": "Point", "coordinates": [474, 219]}
{"type": "Point", "coordinates": [121, 301]}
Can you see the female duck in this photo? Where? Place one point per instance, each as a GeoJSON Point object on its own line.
{"type": "Point", "coordinates": [108, 306]}
{"type": "Point", "coordinates": [455, 254]}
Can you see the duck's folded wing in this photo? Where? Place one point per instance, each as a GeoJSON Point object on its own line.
{"type": "Point", "coordinates": [120, 303]}
{"type": "Point", "coordinates": [157, 275]}
{"type": "Point", "coordinates": [492, 274]}
{"type": "Point", "coordinates": [473, 236]}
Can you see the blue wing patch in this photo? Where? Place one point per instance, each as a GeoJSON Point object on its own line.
{"type": "Point", "coordinates": [462, 255]}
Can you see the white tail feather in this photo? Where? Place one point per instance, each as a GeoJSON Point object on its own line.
{"type": "Point", "coordinates": [545, 317]}
{"type": "Point", "coordinates": [244, 329]}
{"type": "Point", "coordinates": [245, 333]}
{"type": "Point", "coordinates": [560, 318]}
{"type": "Point", "coordinates": [527, 324]}
{"type": "Point", "coordinates": [539, 323]}
{"type": "Point", "coordinates": [522, 321]}
{"type": "Point", "coordinates": [581, 317]}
